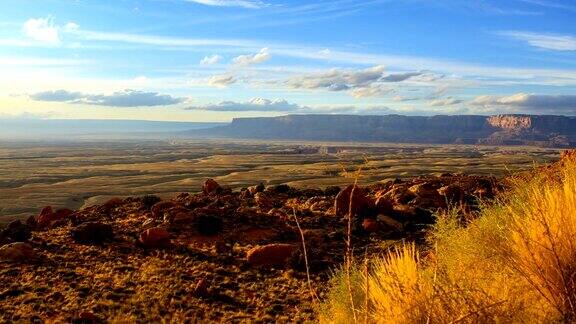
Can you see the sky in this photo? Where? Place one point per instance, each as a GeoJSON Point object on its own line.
{"type": "Point", "coordinates": [214, 60]}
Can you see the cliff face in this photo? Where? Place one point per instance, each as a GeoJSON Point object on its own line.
{"type": "Point", "coordinates": [509, 122]}
{"type": "Point", "coordinates": [543, 124]}
{"type": "Point", "coordinates": [500, 129]}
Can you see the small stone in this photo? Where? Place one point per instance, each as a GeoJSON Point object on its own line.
{"type": "Point", "coordinates": [155, 237]}
{"type": "Point", "coordinates": [92, 233]}
{"type": "Point", "coordinates": [210, 186]}
{"type": "Point", "coordinates": [276, 254]}
{"type": "Point", "coordinates": [16, 252]}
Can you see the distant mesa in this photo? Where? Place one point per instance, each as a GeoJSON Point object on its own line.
{"type": "Point", "coordinates": [536, 130]}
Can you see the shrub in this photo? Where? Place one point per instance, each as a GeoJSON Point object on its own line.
{"type": "Point", "coordinates": [516, 262]}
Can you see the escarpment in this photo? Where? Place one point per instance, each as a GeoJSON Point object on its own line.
{"type": "Point", "coordinates": [546, 130]}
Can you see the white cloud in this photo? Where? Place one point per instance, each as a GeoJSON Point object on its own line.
{"type": "Point", "coordinates": [211, 60]}
{"type": "Point", "coordinates": [42, 30]}
{"type": "Point", "coordinates": [337, 80]}
{"type": "Point", "coordinates": [126, 98]}
{"type": "Point", "coordinates": [260, 57]}
{"type": "Point", "coordinates": [231, 3]}
{"type": "Point", "coordinates": [283, 106]}
{"type": "Point", "coordinates": [370, 82]}
{"type": "Point", "coordinates": [449, 101]}
{"type": "Point", "coordinates": [71, 26]}
{"type": "Point", "coordinates": [531, 102]}
{"type": "Point", "coordinates": [545, 41]}
{"type": "Point", "coordinates": [221, 81]}
{"type": "Point", "coordinates": [399, 77]}
{"type": "Point", "coordinates": [255, 104]}
{"type": "Point", "coordinates": [371, 91]}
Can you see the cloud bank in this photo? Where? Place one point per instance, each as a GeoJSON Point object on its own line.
{"type": "Point", "coordinates": [126, 98]}
{"type": "Point", "coordinates": [564, 104]}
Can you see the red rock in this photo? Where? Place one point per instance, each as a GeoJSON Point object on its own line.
{"type": "Point", "coordinates": [112, 203]}
{"type": "Point", "coordinates": [210, 186]}
{"type": "Point", "coordinates": [270, 255]}
{"type": "Point", "coordinates": [48, 216]}
{"type": "Point", "coordinates": [160, 208]}
{"type": "Point", "coordinates": [360, 203]}
{"type": "Point", "coordinates": [178, 215]}
{"type": "Point", "coordinates": [384, 205]}
{"type": "Point", "coordinates": [263, 201]}
{"type": "Point", "coordinates": [399, 194]}
{"type": "Point", "coordinates": [155, 237]}
{"type": "Point", "coordinates": [17, 252]}
{"type": "Point", "coordinates": [92, 233]}
{"type": "Point", "coordinates": [370, 225]}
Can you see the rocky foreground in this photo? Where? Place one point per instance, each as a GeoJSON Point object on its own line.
{"type": "Point", "coordinates": [218, 255]}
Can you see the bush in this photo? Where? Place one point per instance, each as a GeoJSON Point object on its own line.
{"type": "Point", "coordinates": [516, 262]}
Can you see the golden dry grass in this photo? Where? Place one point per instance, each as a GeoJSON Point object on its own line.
{"type": "Point", "coordinates": [516, 262]}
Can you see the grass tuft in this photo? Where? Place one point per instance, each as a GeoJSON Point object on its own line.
{"type": "Point", "coordinates": [516, 262]}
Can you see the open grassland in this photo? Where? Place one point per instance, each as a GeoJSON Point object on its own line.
{"type": "Point", "coordinates": [76, 174]}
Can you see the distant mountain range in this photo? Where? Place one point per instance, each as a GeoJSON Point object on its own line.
{"type": "Point", "coordinates": [539, 130]}
{"type": "Point", "coordinates": [69, 129]}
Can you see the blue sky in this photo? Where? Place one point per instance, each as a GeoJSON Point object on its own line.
{"type": "Point", "coordinates": [213, 60]}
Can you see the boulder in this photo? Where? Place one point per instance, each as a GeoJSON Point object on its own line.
{"type": "Point", "coordinates": [155, 237]}
{"type": "Point", "coordinates": [353, 199]}
{"type": "Point", "coordinates": [160, 208]}
{"type": "Point", "coordinates": [399, 194]}
{"type": "Point", "coordinates": [210, 186]}
{"type": "Point", "coordinates": [383, 204]}
{"type": "Point", "coordinates": [92, 233]}
{"type": "Point", "coordinates": [370, 225]}
{"type": "Point", "coordinates": [111, 204]}
{"type": "Point", "coordinates": [276, 254]}
{"type": "Point", "coordinates": [48, 216]}
{"type": "Point", "coordinates": [17, 231]}
{"type": "Point", "coordinates": [17, 252]}
{"type": "Point", "coordinates": [177, 215]}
